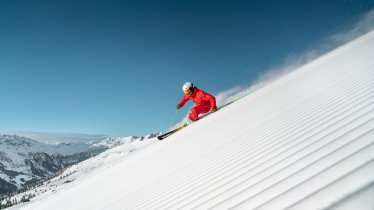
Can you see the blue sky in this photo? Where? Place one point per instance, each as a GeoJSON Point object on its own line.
{"type": "Point", "coordinates": [117, 67]}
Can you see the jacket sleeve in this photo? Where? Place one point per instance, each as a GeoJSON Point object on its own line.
{"type": "Point", "coordinates": [184, 100]}
{"type": "Point", "coordinates": [211, 99]}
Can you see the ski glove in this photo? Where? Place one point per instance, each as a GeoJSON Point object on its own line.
{"type": "Point", "coordinates": [178, 106]}
{"type": "Point", "coordinates": [214, 109]}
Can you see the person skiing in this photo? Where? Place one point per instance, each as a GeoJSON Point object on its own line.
{"type": "Point", "coordinates": [205, 102]}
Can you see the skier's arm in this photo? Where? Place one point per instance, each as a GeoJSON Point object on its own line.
{"type": "Point", "coordinates": [184, 100]}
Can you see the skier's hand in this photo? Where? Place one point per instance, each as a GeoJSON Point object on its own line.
{"type": "Point", "coordinates": [178, 106]}
{"type": "Point", "coordinates": [214, 109]}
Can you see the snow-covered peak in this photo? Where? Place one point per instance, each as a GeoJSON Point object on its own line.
{"type": "Point", "coordinates": [116, 141]}
{"type": "Point", "coordinates": [56, 138]}
{"type": "Point", "coordinates": [18, 142]}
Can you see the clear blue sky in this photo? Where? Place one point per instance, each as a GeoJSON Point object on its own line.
{"type": "Point", "coordinates": [117, 67]}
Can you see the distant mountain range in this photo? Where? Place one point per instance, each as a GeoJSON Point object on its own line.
{"type": "Point", "coordinates": [24, 160]}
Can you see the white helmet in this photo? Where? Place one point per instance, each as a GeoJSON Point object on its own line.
{"type": "Point", "coordinates": [187, 87]}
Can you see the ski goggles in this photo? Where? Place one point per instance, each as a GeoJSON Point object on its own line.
{"type": "Point", "coordinates": [187, 91]}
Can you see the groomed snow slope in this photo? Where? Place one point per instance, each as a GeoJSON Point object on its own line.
{"type": "Point", "coordinates": [303, 142]}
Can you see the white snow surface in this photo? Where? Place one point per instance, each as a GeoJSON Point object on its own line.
{"type": "Point", "coordinates": [305, 141]}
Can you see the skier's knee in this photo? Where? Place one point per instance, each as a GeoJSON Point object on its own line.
{"type": "Point", "coordinates": [193, 116]}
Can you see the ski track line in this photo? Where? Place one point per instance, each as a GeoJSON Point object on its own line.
{"type": "Point", "coordinates": [328, 173]}
{"type": "Point", "coordinates": [275, 165]}
{"type": "Point", "coordinates": [369, 190]}
{"type": "Point", "coordinates": [361, 174]}
{"type": "Point", "coordinates": [359, 146]}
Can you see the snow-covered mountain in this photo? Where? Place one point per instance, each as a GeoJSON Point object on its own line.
{"type": "Point", "coordinates": [304, 141]}
{"type": "Point", "coordinates": [119, 150]}
{"type": "Point", "coordinates": [24, 160]}
{"type": "Point", "coordinates": [56, 138]}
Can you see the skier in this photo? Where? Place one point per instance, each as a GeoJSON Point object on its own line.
{"type": "Point", "coordinates": [204, 101]}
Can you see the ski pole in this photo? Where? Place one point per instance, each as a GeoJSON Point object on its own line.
{"type": "Point", "coordinates": [172, 122]}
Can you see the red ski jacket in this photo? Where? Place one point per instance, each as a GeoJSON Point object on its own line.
{"type": "Point", "coordinates": [200, 97]}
